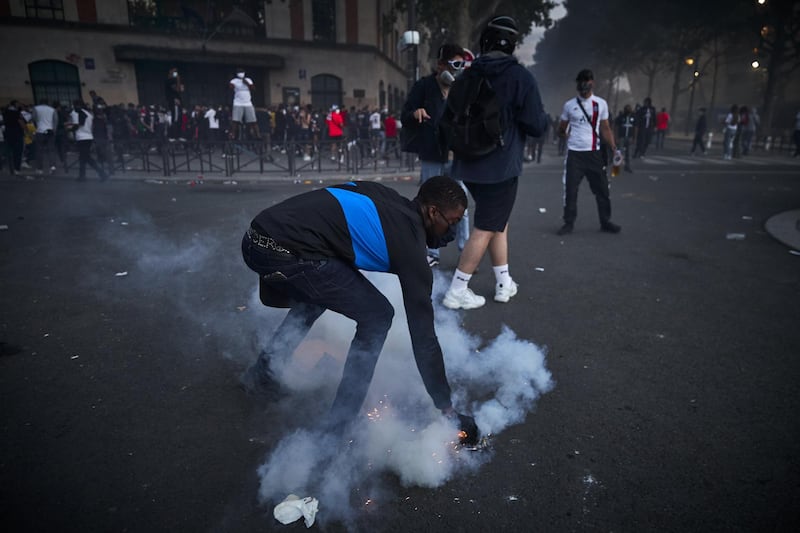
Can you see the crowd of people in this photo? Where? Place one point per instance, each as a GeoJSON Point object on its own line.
{"type": "Point", "coordinates": [37, 137]}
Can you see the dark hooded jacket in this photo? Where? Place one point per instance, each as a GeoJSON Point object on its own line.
{"type": "Point", "coordinates": [424, 138]}
{"type": "Point", "coordinates": [523, 114]}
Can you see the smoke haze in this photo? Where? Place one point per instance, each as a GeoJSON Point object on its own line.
{"type": "Point", "coordinates": [401, 431]}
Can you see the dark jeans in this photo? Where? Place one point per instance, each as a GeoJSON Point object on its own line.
{"type": "Point", "coordinates": [312, 287]}
{"type": "Point", "coordinates": [85, 158]}
{"type": "Point", "coordinates": [15, 146]}
{"type": "Point", "coordinates": [698, 143]}
{"type": "Point", "coordinates": [589, 164]}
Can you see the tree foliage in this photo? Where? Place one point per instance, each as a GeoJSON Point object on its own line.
{"type": "Point", "coordinates": [649, 43]}
{"type": "Point", "coordinates": [461, 21]}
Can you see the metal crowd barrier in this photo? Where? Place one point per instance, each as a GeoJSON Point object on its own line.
{"type": "Point", "coordinates": [230, 158]}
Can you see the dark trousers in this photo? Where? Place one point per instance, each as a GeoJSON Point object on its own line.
{"type": "Point", "coordinates": [796, 142]}
{"type": "Point", "coordinates": [698, 143]}
{"type": "Point", "coordinates": [85, 158]}
{"type": "Point", "coordinates": [589, 164]}
{"type": "Point", "coordinates": [15, 146]}
{"type": "Point", "coordinates": [311, 287]}
{"type": "Point", "coordinates": [625, 145]}
{"type": "Point", "coordinates": [45, 146]}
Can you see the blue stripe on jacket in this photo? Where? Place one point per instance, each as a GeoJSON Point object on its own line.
{"type": "Point", "coordinates": [366, 230]}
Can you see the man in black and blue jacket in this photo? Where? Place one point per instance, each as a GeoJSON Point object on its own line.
{"type": "Point", "coordinates": [308, 252]}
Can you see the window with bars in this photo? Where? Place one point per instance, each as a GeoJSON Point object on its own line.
{"type": "Point", "coordinates": [44, 9]}
{"type": "Point", "coordinates": [323, 18]}
{"type": "Point", "coordinates": [53, 81]}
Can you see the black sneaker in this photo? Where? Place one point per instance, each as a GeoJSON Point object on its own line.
{"type": "Point", "coordinates": [610, 227]}
{"type": "Point", "coordinates": [259, 384]}
{"type": "Point", "coordinates": [566, 228]}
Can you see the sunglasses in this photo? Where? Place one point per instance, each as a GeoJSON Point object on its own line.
{"type": "Point", "coordinates": [457, 63]}
{"type": "Point", "coordinates": [448, 222]}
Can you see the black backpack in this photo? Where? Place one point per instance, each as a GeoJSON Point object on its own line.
{"type": "Point", "coordinates": [472, 122]}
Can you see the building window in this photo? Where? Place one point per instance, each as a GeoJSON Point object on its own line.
{"type": "Point", "coordinates": [324, 20]}
{"type": "Point", "coordinates": [44, 9]}
{"type": "Point", "coordinates": [54, 81]}
{"type": "Point", "coordinates": [326, 90]}
{"type": "Point", "coordinates": [381, 95]}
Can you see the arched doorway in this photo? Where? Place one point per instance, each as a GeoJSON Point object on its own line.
{"type": "Point", "coordinates": [326, 90]}
{"type": "Point", "coordinates": [53, 81]}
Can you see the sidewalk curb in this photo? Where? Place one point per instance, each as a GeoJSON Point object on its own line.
{"type": "Point", "coordinates": [785, 227]}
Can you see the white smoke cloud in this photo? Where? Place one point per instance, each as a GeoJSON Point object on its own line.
{"type": "Point", "coordinates": [402, 432]}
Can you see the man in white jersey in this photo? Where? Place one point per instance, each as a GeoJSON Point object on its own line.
{"type": "Point", "coordinates": [46, 120]}
{"type": "Point", "coordinates": [586, 116]}
{"type": "Point", "coordinates": [243, 105]}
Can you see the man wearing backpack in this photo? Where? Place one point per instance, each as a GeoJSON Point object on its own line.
{"type": "Point", "coordinates": [491, 109]}
{"type": "Point", "coordinates": [420, 119]}
{"type": "Point", "coordinates": [586, 115]}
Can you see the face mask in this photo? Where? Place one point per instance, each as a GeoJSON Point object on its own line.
{"type": "Point", "coordinates": [584, 87]}
{"type": "Point", "coordinates": [447, 78]}
{"type": "Point", "coordinates": [436, 241]}
{"type": "Point", "coordinates": [240, 75]}
{"type": "Point", "coordinates": [174, 74]}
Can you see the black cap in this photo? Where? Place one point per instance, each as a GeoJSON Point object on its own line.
{"type": "Point", "coordinates": [501, 33]}
{"type": "Point", "coordinates": [585, 75]}
{"type": "Point", "coordinates": [504, 24]}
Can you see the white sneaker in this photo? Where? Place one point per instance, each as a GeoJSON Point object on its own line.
{"type": "Point", "coordinates": [503, 293]}
{"type": "Point", "coordinates": [465, 299]}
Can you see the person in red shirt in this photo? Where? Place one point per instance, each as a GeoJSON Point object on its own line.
{"type": "Point", "coordinates": [390, 129]}
{"type": "Point", "coordinates": [335, 122]}
{"type": "Point", "coordinates": [662, 125]}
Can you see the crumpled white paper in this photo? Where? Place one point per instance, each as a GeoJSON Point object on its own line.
{"type": "Point", "coordinates": [292, 508]}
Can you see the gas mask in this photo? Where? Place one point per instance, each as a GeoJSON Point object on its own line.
{"type": "Point", "coordinates": [436, 241]}
{"type": "Point", "coordinates": [447, 78]}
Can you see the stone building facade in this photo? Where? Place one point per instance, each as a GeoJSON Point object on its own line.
{"type": "Point", "coordinates": [318, 52]}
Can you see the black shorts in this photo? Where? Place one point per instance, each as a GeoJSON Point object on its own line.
{"type": "Point", "coordinates": [493, 203]}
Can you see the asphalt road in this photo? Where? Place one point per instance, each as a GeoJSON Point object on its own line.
{"type": "Point", "coordinates": [674, 352]}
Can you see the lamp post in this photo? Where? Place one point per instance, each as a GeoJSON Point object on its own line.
{"type": "Point", "coordinates": [692, 62]}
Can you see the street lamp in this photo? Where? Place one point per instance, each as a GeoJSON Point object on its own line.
{"type": "Point", "coordinates": [692, 62]}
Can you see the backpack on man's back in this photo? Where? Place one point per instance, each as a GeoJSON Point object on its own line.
{"type": "Point", "coordinates": [472, 122]}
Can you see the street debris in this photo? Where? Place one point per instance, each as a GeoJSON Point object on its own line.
{"type": "Point", "coordinates": [120, 274]}
{"type": "Point", "coordinates": [735, 236]}
{"type": "Point", "coordinates": [293, 508]}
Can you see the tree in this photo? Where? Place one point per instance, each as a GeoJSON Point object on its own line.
{"type": "Point", "coordinates": [779, 46]}
{"type": "Point", "coordinates": [461, 21]}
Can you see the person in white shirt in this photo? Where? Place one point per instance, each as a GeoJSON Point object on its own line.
{"type": "Point", "coordinates": [81, 120]}
{"type": "Point", "coordinates": [243, 105]}
{"type": "Point", "coordinates": [213, 123]}
{"type": "Point", "coordinates": [586, 116]}
{"type": "Point", "coordinates": [376, 134]}
{"type": "Point", "coordinates": [46, 120]}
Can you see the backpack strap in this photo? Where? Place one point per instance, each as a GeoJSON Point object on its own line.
{"type": "Point", "coordinates": [584, 113]}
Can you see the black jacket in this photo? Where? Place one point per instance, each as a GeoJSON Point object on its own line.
{"type": "Point", "coordinates": [425, 140]}
{"type": "Point", "coordinates": [374, 228]}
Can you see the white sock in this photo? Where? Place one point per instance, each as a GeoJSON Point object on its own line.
{"type": "Point", "coordinates": [501, 275]}
{"type": "Point", "coordinates": [460, 281]}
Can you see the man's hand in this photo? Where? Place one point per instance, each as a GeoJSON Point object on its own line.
{"type": "Point", "coordinates": [420, 114]}
{"type": "Point", "coordinates": [469, 433]}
